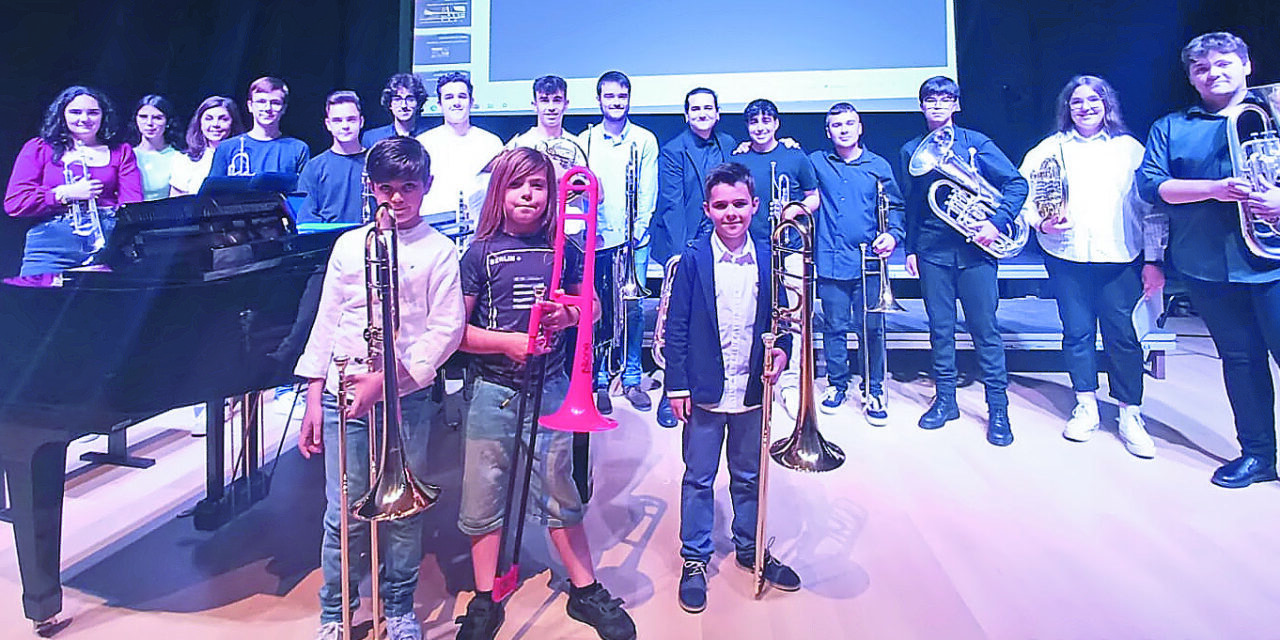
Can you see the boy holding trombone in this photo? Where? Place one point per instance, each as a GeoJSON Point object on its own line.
{"type": "Point", "coordinates": [850, 177]}
{"type": "Point", "coordinates": [430, 328]}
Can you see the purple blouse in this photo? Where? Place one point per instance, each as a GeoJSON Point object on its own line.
{"type": "Point", "coordinates": [35, 174]}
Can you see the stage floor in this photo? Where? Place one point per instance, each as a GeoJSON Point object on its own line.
{"type": "Point", "coordinates": [921, 534]}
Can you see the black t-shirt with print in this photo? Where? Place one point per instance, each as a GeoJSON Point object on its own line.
{"type": "Point", "coordinates": [502, 272]}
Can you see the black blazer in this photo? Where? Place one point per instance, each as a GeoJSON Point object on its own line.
{"type": "Point", "coordinates": [681, 173]}
{"type": "Point", "coordinates": [695, 364]}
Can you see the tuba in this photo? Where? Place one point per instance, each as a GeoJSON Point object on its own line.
{"type": "Point", "coordinates": [86, 222]}
{"type": "Point", "coordinates": [394, 492]}
{"type": "Point", "coordinates": [1049, 190]}
{"type": "Point", "coordinates": [1255, 156]}
{"type": "Point", "coordinates": [963, 198]}
{"type": "Point", "coordinates": [805, 449]}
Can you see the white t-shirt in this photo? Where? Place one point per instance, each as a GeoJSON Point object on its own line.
{"type": "Point", "coordinates": [186, 175]}
{"type": "Point", "coordinates": [455, 162]}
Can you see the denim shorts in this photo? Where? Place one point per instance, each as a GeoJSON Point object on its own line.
{"type": "Point", "coordinates": [486, 454]}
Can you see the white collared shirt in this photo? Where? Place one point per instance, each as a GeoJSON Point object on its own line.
{"type": "Point", "coordinates": [737, 287]}
{"type": "Point", "coordinates": [1102, 203]}
{"type": "Point", "coordinates": [607, 157]}
{"type": "Point", "coordinates": [432, 311]}
{"type": "Point", "coordinates": [455, 162]}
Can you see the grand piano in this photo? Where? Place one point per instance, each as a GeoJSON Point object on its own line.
{"type": "Point", "coordinates": [206, 297]}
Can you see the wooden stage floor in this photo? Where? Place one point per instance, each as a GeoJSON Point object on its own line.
{"type": "Point", "coordinates": [919, 535]}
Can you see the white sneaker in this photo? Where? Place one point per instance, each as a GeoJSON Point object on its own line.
{"type": "Point", "coordinates": [1083, 422]}
{"type": "Point", "coordinates": [329, 631]}
{"type": "Point", "coordinates": [790, 399]}
{"type": "Point", "coordinates": [1133, 433]}
{"type": "Point", "coordinates": [405, 627]}
{"type": "Point", "coordinates": [875, 410]}
{"type": "Point", "coordinates": [831, 400]}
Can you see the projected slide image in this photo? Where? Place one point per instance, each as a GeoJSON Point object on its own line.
{"type": "Point", "coordinates": [432, 13]}
{"type": "Point", "coordinates": [447, 48]}
{"type": "Point", "coordinates": [664, 37]}
{"type": "Point", "coordinates": [802, 54]}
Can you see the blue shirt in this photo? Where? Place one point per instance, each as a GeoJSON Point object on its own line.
{"type": "Point", "coordinates": [791, 163]}
{"type": "Point", "coordinates": [847, 215]}
{"type": "Point", "coordinates": [282, 155]}
{"type": "Point", "coordinates": [1204, 237]}
{"type": "Point", "coordinates": [332, 182]}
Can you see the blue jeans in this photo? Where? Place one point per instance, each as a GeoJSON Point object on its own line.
{"type": "Point", "coordinates": [704, 435]}
{"type": "Point", "coordinates": [400, 541]}
{"type": "Point", "coordinates": [52, 247]}
{"type": "Point", "coordinates": [842, 305]}
{"type": "Point", "coordinates": [1244, 321]}
{"type": "Point", "coordinates": [632, 369]}
{"type": "Point", "coordinates": [975, 287]}
{"type": "Point", "coordinates": [1093, 296]}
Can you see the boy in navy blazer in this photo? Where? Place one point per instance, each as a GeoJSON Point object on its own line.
{"type": "Point", "coordinates": [720, 305]}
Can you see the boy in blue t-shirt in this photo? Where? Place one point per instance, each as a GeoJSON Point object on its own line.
{"type": "Point", "coordinates": [263, 149]}
{"type": "Point", "coordinates": [333, 180]}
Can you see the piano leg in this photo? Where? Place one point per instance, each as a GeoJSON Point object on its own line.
{"type": "Point", "coordinates": [35, 461]}
{"type": "Point", "coordinates": [118, 452]}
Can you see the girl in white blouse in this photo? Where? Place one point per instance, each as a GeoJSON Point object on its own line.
{"type": "Point", "coordinates": [215, 120]}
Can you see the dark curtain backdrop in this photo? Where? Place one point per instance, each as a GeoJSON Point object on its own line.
{"type": "Point", "coordinates": [1013, 58]}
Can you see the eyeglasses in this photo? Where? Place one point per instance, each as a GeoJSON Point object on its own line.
{"type": "Point", "coordinates": [938, 101]}
{"type": "Point", "coordinates": [404, 100]}
{"type": "Point", "coordinates": [1077, 104]}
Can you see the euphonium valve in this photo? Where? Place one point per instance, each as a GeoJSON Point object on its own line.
{"type": "Point", "coordinates": [1254, 143]}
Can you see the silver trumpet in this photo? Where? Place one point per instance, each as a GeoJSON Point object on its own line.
{"type": "Point", "coordinates": [239, 164]}
{"type": "Point", "coordinates": [86, 222]}
{"type": "Point", "coordinates": [1255, 156]}
{"type": "Point", "coordinates": [964, 199]}
{"type": "Point", "coordinates": [394, 492]}
{"type": "Point", "coordinates": [805, 449]}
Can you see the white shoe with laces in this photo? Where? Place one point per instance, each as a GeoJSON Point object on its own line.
{"type": "Point", "coordinates": [1133, 433]}
{"type": "Point", "coordinates": [1083, 422]}
{"type": "Point", "coordinates": [790, 399]}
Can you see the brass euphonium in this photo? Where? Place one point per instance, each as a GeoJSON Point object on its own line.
{"type": "Point", "coordinates": [1255, 156]}
{"type": "Point", "coordinates": [1049, 190]}
{"type": "Point", "coordinates": [967, 199]}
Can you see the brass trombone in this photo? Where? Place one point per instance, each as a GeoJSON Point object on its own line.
{"type": "Point", "coordinates": [394, 492]}
{"type": "Point", "coordinates": [805, 449]}
{"type": "Point", "coordinates": [628, 288]}
{"type": "Point", "coordinates": [884, 303]}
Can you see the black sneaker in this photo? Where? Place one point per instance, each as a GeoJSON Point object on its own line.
{"type": "Point", "coordinates": [603, 404]}
{"type": "Point", "coordinates": [693, 586]}
{"type": "Point", "coordinates": [482, 619]}
{"type": "Point", "coordinates": [597, 608]}
{"type": "Point", "coordinates": [779, 575]}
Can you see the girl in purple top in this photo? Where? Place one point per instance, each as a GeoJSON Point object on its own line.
{"type": "Point", "coordinates": [78, 134]}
